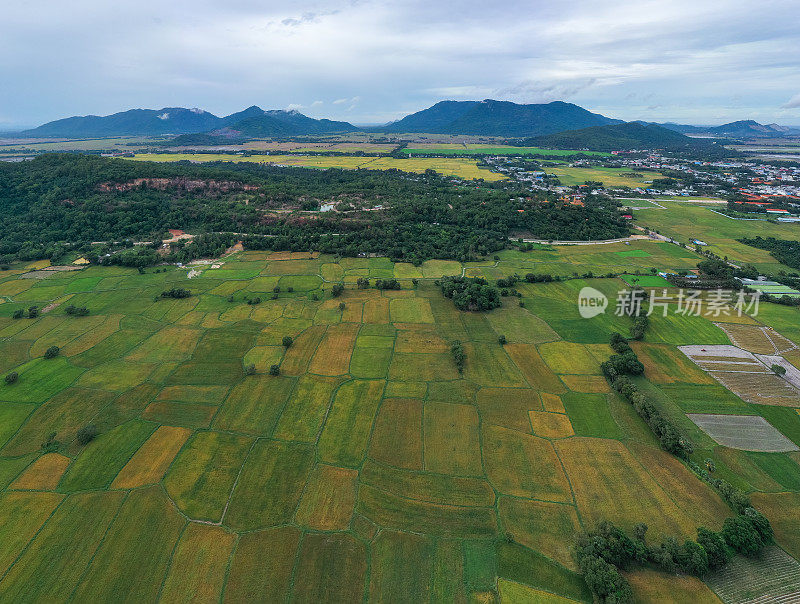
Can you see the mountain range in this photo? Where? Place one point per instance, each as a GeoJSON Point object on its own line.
{"type": "Point", "coordinates": [478, 118]}
{"type": "Point", "coordinates": [498, 118]}
{"type": "Point", "coordinates": [738, 129]}
{"type": "Point", "coordinates": [250, 123]}
{"type": "Point", "coordinates": [620, 137]}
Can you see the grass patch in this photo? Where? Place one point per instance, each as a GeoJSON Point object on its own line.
{"type": "Point", "coordinates": [280, 469]}
{"type": "Point", "coordinates": [102, 459]}
{"type": "Point", "coordinates": [201, 478]}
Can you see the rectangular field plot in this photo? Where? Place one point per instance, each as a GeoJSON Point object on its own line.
{"type": "Point", "coordinates": [757, 339]}
{"type": "Point", "coordinates": [611, 484]}
{"type": "Point", "coordinates": [741, 372]}
{"type": "Point", "coordinates": [452, 442]}
{"type": "Point", "coordinates": [747, 432]}
{"type": "Point", "coordinates": [773, 577]}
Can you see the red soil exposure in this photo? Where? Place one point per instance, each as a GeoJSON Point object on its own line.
{"type": "Point", "coordinates": [186, 184]}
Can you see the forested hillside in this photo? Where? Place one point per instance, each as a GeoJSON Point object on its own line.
{"type": "Point", "coordinates": [58, 202]}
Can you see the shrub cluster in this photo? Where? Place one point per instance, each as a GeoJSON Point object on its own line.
{"type": "Point", "coordinates": [387, 284]}
{"type": "Point", "coordinates": [639, 326]}
{"type": "Point", "coordinates": [534, 278]}
{"type": "Point", "coordinates": [78, 311]}
{"type": "Point", "coordinates": [176, 292]}
{"type": "Point", "coordinates": [470, 293]}
{"type": "Point", "coordinates": [459, 356]}
{"type": "Point", "coordinates": [87, 434]}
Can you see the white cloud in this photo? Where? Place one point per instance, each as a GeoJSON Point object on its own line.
{"type": "Point", "coordinates": [793, 102]}
{"type": "Point", "coordinates": [635, 58]}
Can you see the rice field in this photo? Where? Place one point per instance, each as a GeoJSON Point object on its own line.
{"type": "Point", "coordinates": [370, 468]}
{"type": "Point", "coordinates": [448, 166]}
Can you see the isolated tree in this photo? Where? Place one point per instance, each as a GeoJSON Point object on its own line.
{"type": "Point", "coordinates": [342, 305]}
{"type": "Point", "coordinates": [52, 352]}
{"type": "Point", "coordinates": [779, 369]}
{"type": "Point", "coordinates": [250, 369]}
{"type": "Point", "coordinates": [502, 340]}
{"type": "Point", "coordinates": [287, 341]}
{"type": "Point", "coordinates": [11, 377]}
{"type": "Point", "coordinates": [274, 369]}
{"type": "Point", "coordinates": [337, 290]}
{"type": "Point", "coordinates": [33, 312]}
{"type": "Point", "coordinates": [18, 314]}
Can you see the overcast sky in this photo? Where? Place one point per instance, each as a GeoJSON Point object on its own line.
{"type": "Point", "coordinates": [691, 61]}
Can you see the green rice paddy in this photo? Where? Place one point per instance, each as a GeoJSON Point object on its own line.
{"type": "Point", "coordinates": [370, 468]}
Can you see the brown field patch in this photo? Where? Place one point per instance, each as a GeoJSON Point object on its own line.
{"type": "Point", "coordinates": [692, 495]}
{"type": "Point", "coordinates": [551, 425]}
{"type": "Point", "coordinates": [328, 499]}
{"type": "Point", "coordinates": [552, 403]}
{"type": "Point", "coordinates": [793, 356]}
{"type": "Point", "coordinates": [781, 509]}
{"type": "Point", "coordinates": [761, 388]}
{"type": "Point", "coordinates": [397, 511]}
{"type": "Point", "coordinates": [376, 310]}
{"type": "Point", "coordinates": [430, 488]}
{"type": "Point", "coordinates": [285, 256]}
{"type": "Point", "coordinates": [397, 434]}
{"type": "Point", "coordinates": [198, 566]}
{"type": "Point", "coordinates": [507, 407]}
{"type": "Point", "coordinates": [652, 586]}
{"type": "Point", "coordinates": [523, 465]}
{"type": "Point", "coordinates": [261, 568]}
{"type": "Point", "coordinates": [43, 474]}
{"type": "Point", "coordinates": [610, 484]}
{"type": "Point", "coordinates": [586, 383]}
{"type": "Point", "coordinates": [542, 526]}
{"type": "Point", "coordinates": [452, 441]}
{"type": "Point", "coordinates": [149, 464]}
{"type": "Point", "coordinates": [334, 351]}
{"type": "Point", "coordinates": [353, 312]}
{"type": "Point", "coordinates": [406, 366]}
{"type": "Point", "coordinates": [756, 339]}
{"type": "Point", "coordinates": [533, 368]}
{"type": "Point", "coordinates": [667, 365]}
{"type": "Point", "coordinates": [298, 355]}
{"type": "Point", "coordinates": [422, 339]}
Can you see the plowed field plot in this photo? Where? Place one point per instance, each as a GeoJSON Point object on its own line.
{"type": "Point", "coordinates": [746, 432]}
{"type": "Point", "coordinates": [757, 339]}
{"type": "Point", "coordinates": [741, 372]}
{"type": "Point", "coordinates": [773, 577]}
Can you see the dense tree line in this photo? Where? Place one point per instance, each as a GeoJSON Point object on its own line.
{"type": "Point", "coordinates": [601, 553]}
{"type": "Point", "coordinates": [784, 251]}
{"type": "Point", "coordinates": [61, 202]}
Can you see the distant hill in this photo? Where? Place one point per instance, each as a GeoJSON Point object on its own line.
{"type": "Point", "coordinates": [134, 122]}
{"type": "Point", "coordinates": [498, 118]}
{"type": "Point", "coordinates": [618, 137]}
{"type": "Point", "coordinates": [265, 124]}
{"type": "Point", "coordinates": [738, 129]}
{"type": "Point", "coordinates": [251, 122]}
